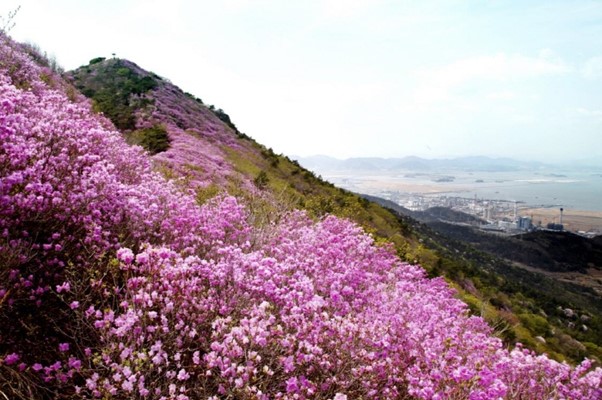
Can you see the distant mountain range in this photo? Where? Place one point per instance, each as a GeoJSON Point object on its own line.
{"type": "Point", "coordinates": [414, 163]}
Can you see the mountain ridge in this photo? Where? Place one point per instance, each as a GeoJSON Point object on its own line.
{"type": "Point", "coordinates": [468, 163]}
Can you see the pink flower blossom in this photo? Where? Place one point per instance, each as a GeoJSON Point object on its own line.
{"type": "Point", "coordinates": [183, 375]}
{"type": "Point", "coordinates": [11, 359]}
{"type": "Point", "coordinates": [64, 287]}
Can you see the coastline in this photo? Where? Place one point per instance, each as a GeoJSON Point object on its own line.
{"type": "Point", "coordinates": [574, 220]}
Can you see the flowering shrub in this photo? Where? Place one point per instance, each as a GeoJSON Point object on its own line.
{"type": "Point", "coordinates": [115, 284]}
{"type": "Point", "coordinates": [71, 193]}
{"type": "Point", "coordinates": [316, 312]}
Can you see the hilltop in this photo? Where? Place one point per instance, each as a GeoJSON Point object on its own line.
{"type": "Point", "coordinates": [183, 268]}
{"type": "Point", "coordinates": [205, 150]}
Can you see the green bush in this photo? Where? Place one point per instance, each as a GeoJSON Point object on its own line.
{"type": "Point", "coordinates": [261, 180]}
{"type": "Point", "coordinates": [155, 139]}
{"type": "Point", "coordinates": [97, 60]}
{"type": "Point", "coordinates": [115, 108]}
{"type": "Point", "coordinates": [111, 90]}
{"type": "Point", "coordinates": [143, 85]}
{"type": "Point", "coordinates": [535, 323]}
{"type": "Point", "coordinates": [124, 72]}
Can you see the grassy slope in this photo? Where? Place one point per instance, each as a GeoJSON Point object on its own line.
{"type": "Point", "coordinates": [211, 155]}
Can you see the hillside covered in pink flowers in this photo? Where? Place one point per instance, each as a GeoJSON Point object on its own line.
{"type": "Point", "coordinates": [117, 283]}
{"type": "Point", "coordinates": [199, 143]}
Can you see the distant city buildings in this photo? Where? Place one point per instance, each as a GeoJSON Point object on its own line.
{"type": "Point", "coordinates": [497, 215]}
{"type": "Point", "coordinates": [524, 223]}
{"type": "Point", "coordinates": [555, 227]}
{"type": "Point", "coordinates": [501, 216]}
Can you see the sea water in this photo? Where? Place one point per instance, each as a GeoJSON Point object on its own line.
{"type": "Point", "coordinates": [571, 190]}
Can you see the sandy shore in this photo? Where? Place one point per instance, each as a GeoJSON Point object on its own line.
{"type": "Point", "coordinates": [573, 220]}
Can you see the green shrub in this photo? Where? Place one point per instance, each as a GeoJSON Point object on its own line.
{"type": "Point", "coordinates": [143, 85]}
{"type": "Point", "coordinates": [123, 71]}
{"type": "Point", "coordinates": [261, 180]}
{"type": "Point", "coordinates": [111, 90]}
{"type": "Point", "coordinates": [155, 139]}
{"type": "Point", "coordinates": [535, 323]}
{"type": "Point", "coordinates": [97, 60]}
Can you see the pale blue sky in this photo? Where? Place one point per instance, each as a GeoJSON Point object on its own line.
{"type": "Point", "coordinates": [356, 77]}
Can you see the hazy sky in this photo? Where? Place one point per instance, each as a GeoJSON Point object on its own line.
{"type": "Point", "coordinates": [356, 77]}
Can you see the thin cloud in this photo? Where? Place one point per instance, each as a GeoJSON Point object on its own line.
{"type": "Point", "coordinates": [502, 95]}
{"type": "Point", "coordinates": [437, 83]}
{"type": "Point", "coordinates": [585, 112]}
{"type": "Point", "coordinates": [346, 9]}
{"type": "Point", "coordinates": [592, 69]}
{"type": "Point", "coordinates": [500, 66]}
